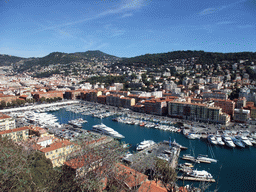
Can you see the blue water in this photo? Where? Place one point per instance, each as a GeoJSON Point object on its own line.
{"type": "Point", "coordinates": [234, 172]}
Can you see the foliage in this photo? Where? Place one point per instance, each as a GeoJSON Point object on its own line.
{"type": "Point", "coordinates": [234, 94]}
{"type": "Point", "coordinates": [149, 60]}
{"type": "Point", "coordinates": [108, 80]}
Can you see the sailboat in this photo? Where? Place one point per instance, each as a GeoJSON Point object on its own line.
{"type": "Point", "coordinates": [205, 158]}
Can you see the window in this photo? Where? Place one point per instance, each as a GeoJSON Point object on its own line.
{"type": "Point", "coordinates": [47, 153]}
{"type": "Point", "coordinates": [51, 152]}
{"type": "Point", "coordinates": [56, 150]}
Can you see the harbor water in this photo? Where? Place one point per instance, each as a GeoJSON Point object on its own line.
{"type": "Point", "coordinates": [235, 170]}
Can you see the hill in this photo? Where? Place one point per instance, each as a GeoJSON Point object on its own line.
{"type": "Point", "coordinates": [7, 60]}
{"type": "Point", "coordinates": [202, 57]}
{"type": "Point", "coordinates": [55, 58]}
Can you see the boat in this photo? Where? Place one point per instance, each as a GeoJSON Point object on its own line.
{"type": "Point", "coordinates": [244, 140]}
{"type": "Point", "coordinates": [175, 144]}
{"type": "Point", "coordinates": [237, 142]}
{"type": "Point", "coordinates": [193, 136]}
{"type": "Point", "coordinates": [219, 140]}
{"type": "Point", "coordinates": [212, 139]}
{"type": "Point", "coordinates": [145, 144]}
{"type": "Point", "coordinates": [228, 141]}
{"type": "Point", "coordinates": [200, 174]}
{"type": "Point", "coordinates": [103, 129]}
{"type": "Point", "coordinates": [190, 158]}
{"type": "Point", "coordinates": [205, 158]}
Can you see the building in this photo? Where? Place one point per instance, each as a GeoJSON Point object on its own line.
{"type": "Point", "coordinates": [241, 102]}
{"type": "Point", "coordinates": [196, 111]}
{"type": "Point", "coordinates": [72, 94]}
{"type": "Point", "coordinates": [50, 94]}
{"type": "Point", "coordinates": [18, 134]}
{"type": "Point", "coordinates": [253, 112]}
{"type": "Point", "coordinates": [214, 95]}
{"type": "Point", "coordinates": [113, 100]}
{"type": "Point", "coordinates": [227, 106]}
{"type": "Point", "coordinates": [241, 115]}
{"type": "Point", "coordinates": [156, 106]}
{"type": "Point", "coordinates": [101, 99]}
{"type": "Point", "coordinates": [58, 151]}
{"type": "Point", "coordinates": [7, 98]}
{"type": "Point", "coordinates": [6, 122]}
{"type": "Point", "coordinates": [127, 102]}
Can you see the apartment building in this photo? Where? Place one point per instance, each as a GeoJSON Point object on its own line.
{"type": "Point", "coordinates": [6, 122]}
{"type": "Point", "coordinates": [227, 106]}
{"type": "Point", "coordinates": [101, 99]}
{"type": "Point", "coordinates": [156, 106]}
{"type": "Point", "coordinates": [127, 102]}
{"type": "Point", "coordinates": [196, 111]}
{"type": "Point", "coordinates": [18, 134]}
{"type": "Point", "coordinates": [49, 94]}
{"type": "Point", "coordinates": [241, 115]}
{"type": "Point", "coordinates": [58, 151]}
{"type": "Point", "coordinates": [215, 95]}
{"type": "Point", "coordinates": [253, 112]}
{"type": "Point", "coordinates": [113, 100]}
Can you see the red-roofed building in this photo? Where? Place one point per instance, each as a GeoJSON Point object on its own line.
{"type": "Point", "coordinates": [49, 94]}
{"type": "Point", "coordinates": [17, 134]}
{"type": "Point", "coordinates": [156, 106]}
{"type": "Point", "coordinates": [6, 122]}
{"type": "Point", "coordinates": [151, 186]}
{"type": "Point", "coordinates": [58, 151]}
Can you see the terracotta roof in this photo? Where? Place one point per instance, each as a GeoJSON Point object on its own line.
{"type": "Point", "coordinates": [3, 116]}
{"type": "Point", "coordinates": [151, 186]}
{"type": "Point", "coordinates": [13, 130]}
{"type": "Point", "coordinates": [82, 161]}
{"type": "Point", "coordinates": [56, 145]}
{"type": "Point", "coordinates": [130, 176]}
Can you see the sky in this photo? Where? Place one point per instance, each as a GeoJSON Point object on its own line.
{"type": "Point", "coordinates": [126, 28]}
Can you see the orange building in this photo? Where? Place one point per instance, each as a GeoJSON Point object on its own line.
{"type": "Point", "coordinates": [49, 94]}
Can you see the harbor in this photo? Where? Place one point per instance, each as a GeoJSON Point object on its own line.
{"type": "Point", "coordinates": [226, 177]}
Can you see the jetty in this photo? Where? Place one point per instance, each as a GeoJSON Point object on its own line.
{"type": "Point", "coordinates": [196, 179]}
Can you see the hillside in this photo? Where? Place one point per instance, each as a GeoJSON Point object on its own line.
{"type": "Point", "coordinates": [203, 57]}
{"type": "Point", "coordinates": [68, 58]}
{"type": "Point", "coordinates": [6, 60]}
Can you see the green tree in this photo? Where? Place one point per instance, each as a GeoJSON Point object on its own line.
{"type": "Point", "coordinates": [3, 104]}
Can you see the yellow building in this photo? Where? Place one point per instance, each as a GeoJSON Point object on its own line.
{"type": "Point", "coordinates": [6, 122]}
{"type": "Point", "coordinates": [59, 151]}
{"type": "Point", "coordinates": [16, 135]}
{"type": "Point", "coordinates": [253, 112]}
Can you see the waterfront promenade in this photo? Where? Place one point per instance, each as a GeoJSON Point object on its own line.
{"type": "Point", "coordinates": [38, 106]}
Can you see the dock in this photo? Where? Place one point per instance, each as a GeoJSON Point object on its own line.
{"type": "Point", "coordinates": [196, 179]}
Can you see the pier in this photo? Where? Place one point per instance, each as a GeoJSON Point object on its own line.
{"type": "Point", "coordinates": [196, 179]}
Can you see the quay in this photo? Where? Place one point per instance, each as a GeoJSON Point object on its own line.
{"type": "Point", "coordinates": [36, 106]}
{"type": "Point", "coordinates": [196, 179]}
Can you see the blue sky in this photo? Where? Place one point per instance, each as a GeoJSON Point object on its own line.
{"type": "Point", "coordinates": [126, 28]}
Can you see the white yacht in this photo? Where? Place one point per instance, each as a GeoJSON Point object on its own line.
{"type": "Point", "coordinates": [193, 136]}
{"type": "Point", "coordinates": [206, 158]}
{"type": "Point", "coordinates": [212, 139]}
{"type": "Point", "coordinates": [103, 129]}
{"type": "Point", "coordinates": [228, 141]}
{"type": "Point", "coordinates": [200, 174]}
{"type": "Point", "coordinates": [244, 140]}
{"type": "Point", "coordinates": [219, 140]}
{"type": "Point", "coordinates": [145, 144]}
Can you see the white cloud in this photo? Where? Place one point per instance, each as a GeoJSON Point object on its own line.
{"type": "Point", "coordinates": [244, 26]}
{"type": "Point", "coordinates": [213, 10]}
{"type": "Point", "coordinates": [127, 15]}
{"type": "Point", "coordinates": [224, 22]}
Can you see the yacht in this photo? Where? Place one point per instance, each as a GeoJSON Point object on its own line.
{"type": "Point", "coordinates": [238, 142]}
{"type": "Point", "coordinates": [200, 174]}
{"type": "Point", "coordinates": [103, 129]}
{"type": "Point", "coordinates": [219, 140]}
{"type": "Point", "coordinates": [190, 158]}
{"type": "Point", "coordinates": [244, 140]}
{"type": "Point", "coordinates": [145, 144]}
{"type": "Point", "coordinates": [193, 136]}
{"type": "Point", "coordinates": [228, 141]}
{"type": "Point", "coordinates": [212, 139]}
{"type": "Point", "coordinates": [205, 158]}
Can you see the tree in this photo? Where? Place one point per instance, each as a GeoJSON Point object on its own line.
{"type": "Point", "coordinates": [42, 99]}
{"type": "Point", "coordinates": [3, 104]}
